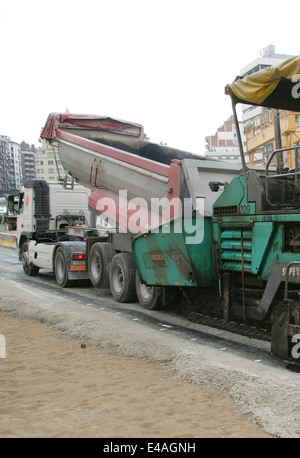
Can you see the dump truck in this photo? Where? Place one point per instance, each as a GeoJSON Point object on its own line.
{"type": "Point", "coordinates": [134, 185]}
{"type": "Point", "coordinates": [222, 238]}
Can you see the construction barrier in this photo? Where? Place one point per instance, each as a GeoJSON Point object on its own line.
{"type": "Point", "coordinates": [8, 239]}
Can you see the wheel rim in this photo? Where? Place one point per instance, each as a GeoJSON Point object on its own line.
{"type": "Point", "coordinates": [146, 291]}
{"type": "Point", "coordinates": [118, 279]}
{"type": "Point", "coordinates": [95, 266]}
{"type": "Point", "coordinates": [60, 267]}
{"type": "Point", "coordinates": [25, 258]}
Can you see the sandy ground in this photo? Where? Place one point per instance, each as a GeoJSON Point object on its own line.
{"type": "Point", "coordinates": [78, 370]}
{"type": "Point", "coordinates": [52, 387]}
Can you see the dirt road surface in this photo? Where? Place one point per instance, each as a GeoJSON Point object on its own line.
{"type": "Point", "coordinates": [73, 370]}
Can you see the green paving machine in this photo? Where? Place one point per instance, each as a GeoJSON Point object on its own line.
{"type": "Point", "coordinates": [246, 267]}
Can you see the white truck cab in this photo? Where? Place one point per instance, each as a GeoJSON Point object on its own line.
{"type": "Point", "coordinates": [51, 204]}
{"type": "Point", "coordinates": [46, 212]}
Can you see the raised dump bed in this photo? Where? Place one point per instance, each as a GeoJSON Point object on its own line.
{"type": "Point", "coordinates": [109, 156]}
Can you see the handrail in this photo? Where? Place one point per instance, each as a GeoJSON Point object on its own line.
{"type": "Point", "coordinates": [295, 173]}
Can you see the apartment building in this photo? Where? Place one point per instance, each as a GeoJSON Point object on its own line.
{"type": "Point", "coordinates": [223, 145]}
{"type": "Point", "coordinates": [47, 163]}
{"type": "Point", "coordinates": [28, 165]}
{"type": "Point", "coordinates": [258, 122]}
{"type": "Point", "coordinates": [10, 166]}
{"type": "Point", "coordinates": [256, 125]}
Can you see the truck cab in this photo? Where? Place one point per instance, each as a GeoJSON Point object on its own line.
{"type": "Point", "coordinates": [45, 207]}
{"type": "Point", "coordinates": [45, 214]}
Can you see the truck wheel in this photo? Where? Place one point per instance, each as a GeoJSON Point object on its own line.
{"type": "Point", "coordinates": [148, 296]}
{"type": "Point", "coordinates": [61, 269]}
{"type": "Point", "coordinates": [100, 257]}
{"type": "Point", "coordinates": [28, 268]}
{"type": "Point", "coordinates": [122, 277]}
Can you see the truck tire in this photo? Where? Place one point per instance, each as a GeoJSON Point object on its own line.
{"type": "Point", "coordinates": [100, 257]}
{"type": "Point", "coordinates": [148, 296]}
{"type": "Point", "coordinates": [28, 268]}
{"type": "Point", "coordinates": [122, 277]}
{"type": "Point", "coordinates": [61, 269]}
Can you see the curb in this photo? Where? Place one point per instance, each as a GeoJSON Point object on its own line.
{"type": "Point", "coordinates": [8, 240]}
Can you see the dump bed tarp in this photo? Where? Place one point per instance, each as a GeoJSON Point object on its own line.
{"type": "Point", "coordinates": [272, 87]}
{"type": "Point", "coordinates": [100, 123]}
{"type": "Point", "coordinates": [122, 136]}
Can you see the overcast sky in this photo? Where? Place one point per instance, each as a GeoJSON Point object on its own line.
{"type": "Point", "coordinates": [163, 64]}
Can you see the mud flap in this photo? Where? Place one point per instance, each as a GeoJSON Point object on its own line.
{"type": "Point", "coordinates": [279, 337]}
{"type": "Point", "coordinates": [171, 295]}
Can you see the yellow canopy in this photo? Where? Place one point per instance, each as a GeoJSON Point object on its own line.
{"type": "Point", "coordinates": [272, 87]}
